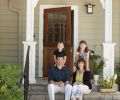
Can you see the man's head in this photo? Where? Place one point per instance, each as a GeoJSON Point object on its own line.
{"type": "Point", "coordinates": [60, 60]}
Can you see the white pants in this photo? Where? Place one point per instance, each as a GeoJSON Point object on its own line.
{"type": "Point", "coordinates": [52, 89]}
{"type": "Point", "coordinates": [79, 90]}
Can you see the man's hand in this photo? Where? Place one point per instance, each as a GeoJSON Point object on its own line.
{"type": "Point", "coordinates": [61, 84]}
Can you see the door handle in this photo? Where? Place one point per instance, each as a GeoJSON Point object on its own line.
{"type": "Point", "coordinates": [70, 50]}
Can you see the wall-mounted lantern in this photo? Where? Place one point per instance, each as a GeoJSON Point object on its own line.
{"type": "Point", "coordinates": [90, 8]}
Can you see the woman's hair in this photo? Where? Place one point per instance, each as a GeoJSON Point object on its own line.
{"type": "Point", "coordinates": [82, 42]}
{"type": "Point", "coordinates": [81, 60]}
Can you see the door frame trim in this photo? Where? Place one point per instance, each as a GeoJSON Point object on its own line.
{"type": "Point", "coordinates": [41, 31]}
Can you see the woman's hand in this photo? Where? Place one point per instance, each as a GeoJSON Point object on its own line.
{"type": "Point", "coordinates": [77, 83]}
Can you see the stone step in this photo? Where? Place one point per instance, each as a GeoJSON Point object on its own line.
{"type": "Point", "coordinates": [43, 87]}
{"type": "Point", "coordinates": [39, 91]}
{"type": "Point", "coordinates": [38, 95]}
{"type": "Point", "coordinates": [42, 84]}
{"type": "Point", "coordinates": [102, 96]}
{"type": "Point", "coordinates": [39, 87]}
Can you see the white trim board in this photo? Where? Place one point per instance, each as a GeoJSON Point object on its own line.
{"type": "Point", "coordinates": [41, 13]}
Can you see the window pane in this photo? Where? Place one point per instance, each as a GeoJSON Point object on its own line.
{"type": "Point", "coordinates": [56, 26]}
{"type": "Point", "coordinates": [50, 38]}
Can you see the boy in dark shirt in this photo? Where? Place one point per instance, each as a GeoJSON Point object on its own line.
{"type": "Point", "coordinates": [60, 51]}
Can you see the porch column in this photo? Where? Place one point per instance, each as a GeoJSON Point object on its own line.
{"type": "Point", "coordinates": [30, 39]}
{"type": "Point", "coordinates": [108, 46]}
{"type": "Point", "coordinates": [31, 59]}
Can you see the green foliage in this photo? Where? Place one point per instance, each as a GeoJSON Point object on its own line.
{"type": "Point", "coordinates": [96, 63]}
{"type": "Point", "coordinates": [117, 69]}
{"type": "Point", "coordinates": [9, 77]}
{"type": "Point", "coordinates": [109, 82]}
{"type": "Point", "coordinates": [105, 84]}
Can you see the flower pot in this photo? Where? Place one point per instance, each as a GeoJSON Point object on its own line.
{"type": "Point", "coordinates": [111, 90]}
{"type": "Point", "coordinates": [96, 78]}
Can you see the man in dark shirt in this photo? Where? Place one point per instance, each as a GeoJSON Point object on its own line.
{"type": "Point", "coordinates": [59, 78]}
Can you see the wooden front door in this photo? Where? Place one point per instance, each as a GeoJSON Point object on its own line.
{"type": "Point", "coordinates": [57, 27]}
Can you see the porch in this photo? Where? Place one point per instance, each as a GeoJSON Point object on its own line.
{"type": "Point", "coordinates": [38, 91]}
{"type": "Point", "coordinates": [44, 48]}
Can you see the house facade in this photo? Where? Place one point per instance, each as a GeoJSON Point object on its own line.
{"type": "Point", "coordinates": [22, 24]}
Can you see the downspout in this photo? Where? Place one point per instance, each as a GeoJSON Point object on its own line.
{"type": "Point", "coordinates": [19, 29]}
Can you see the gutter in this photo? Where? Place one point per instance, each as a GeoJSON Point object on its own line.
{"type": "Point", "coordinates": [19, 29]}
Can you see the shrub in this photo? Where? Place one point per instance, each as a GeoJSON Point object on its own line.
{"type": "Point", "coordinates": [96, 63]}
{"type": "Point", "coordinates": [9, 78]}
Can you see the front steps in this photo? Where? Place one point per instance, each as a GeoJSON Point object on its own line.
{"type": "Point", "coordinates": [38, 91]}
{"type": "Point", "coordinates": [91, 96]}
{"type": "Point", "coordinates": [44, 96]}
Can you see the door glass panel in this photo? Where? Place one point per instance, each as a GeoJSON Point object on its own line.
{"type": "Point", "coordinates": [50, 30]}
{"type": "Point", "coordinates": [56, 27]}
{"type": "Point", "coordinates": [50, 37]}
{"type": "Point", "coordinates": [57, 36]}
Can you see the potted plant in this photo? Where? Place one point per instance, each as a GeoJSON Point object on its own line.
{"type": "Point", "coordinates": [117, 70]}
{"type": "Point", "coordinates": [96, 64]}
{"type": "Point", "coordinates": [107, 84]}
{"type": "Point", "coordinates": [9, 78]}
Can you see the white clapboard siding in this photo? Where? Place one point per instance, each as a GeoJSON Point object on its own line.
{"type": "Point", "coordinates": [9, 59]}
{"type": "Point", "coordinates": [116, 29]}
{"type": "Point", "coordinates": [8, 34]}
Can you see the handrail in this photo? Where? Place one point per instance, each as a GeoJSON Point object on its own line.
{"type": "Point", "coordinates": [25, 75]}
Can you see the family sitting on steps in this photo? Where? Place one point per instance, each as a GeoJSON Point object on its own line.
{"type": "Point", "coordinates": [59, 75]}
